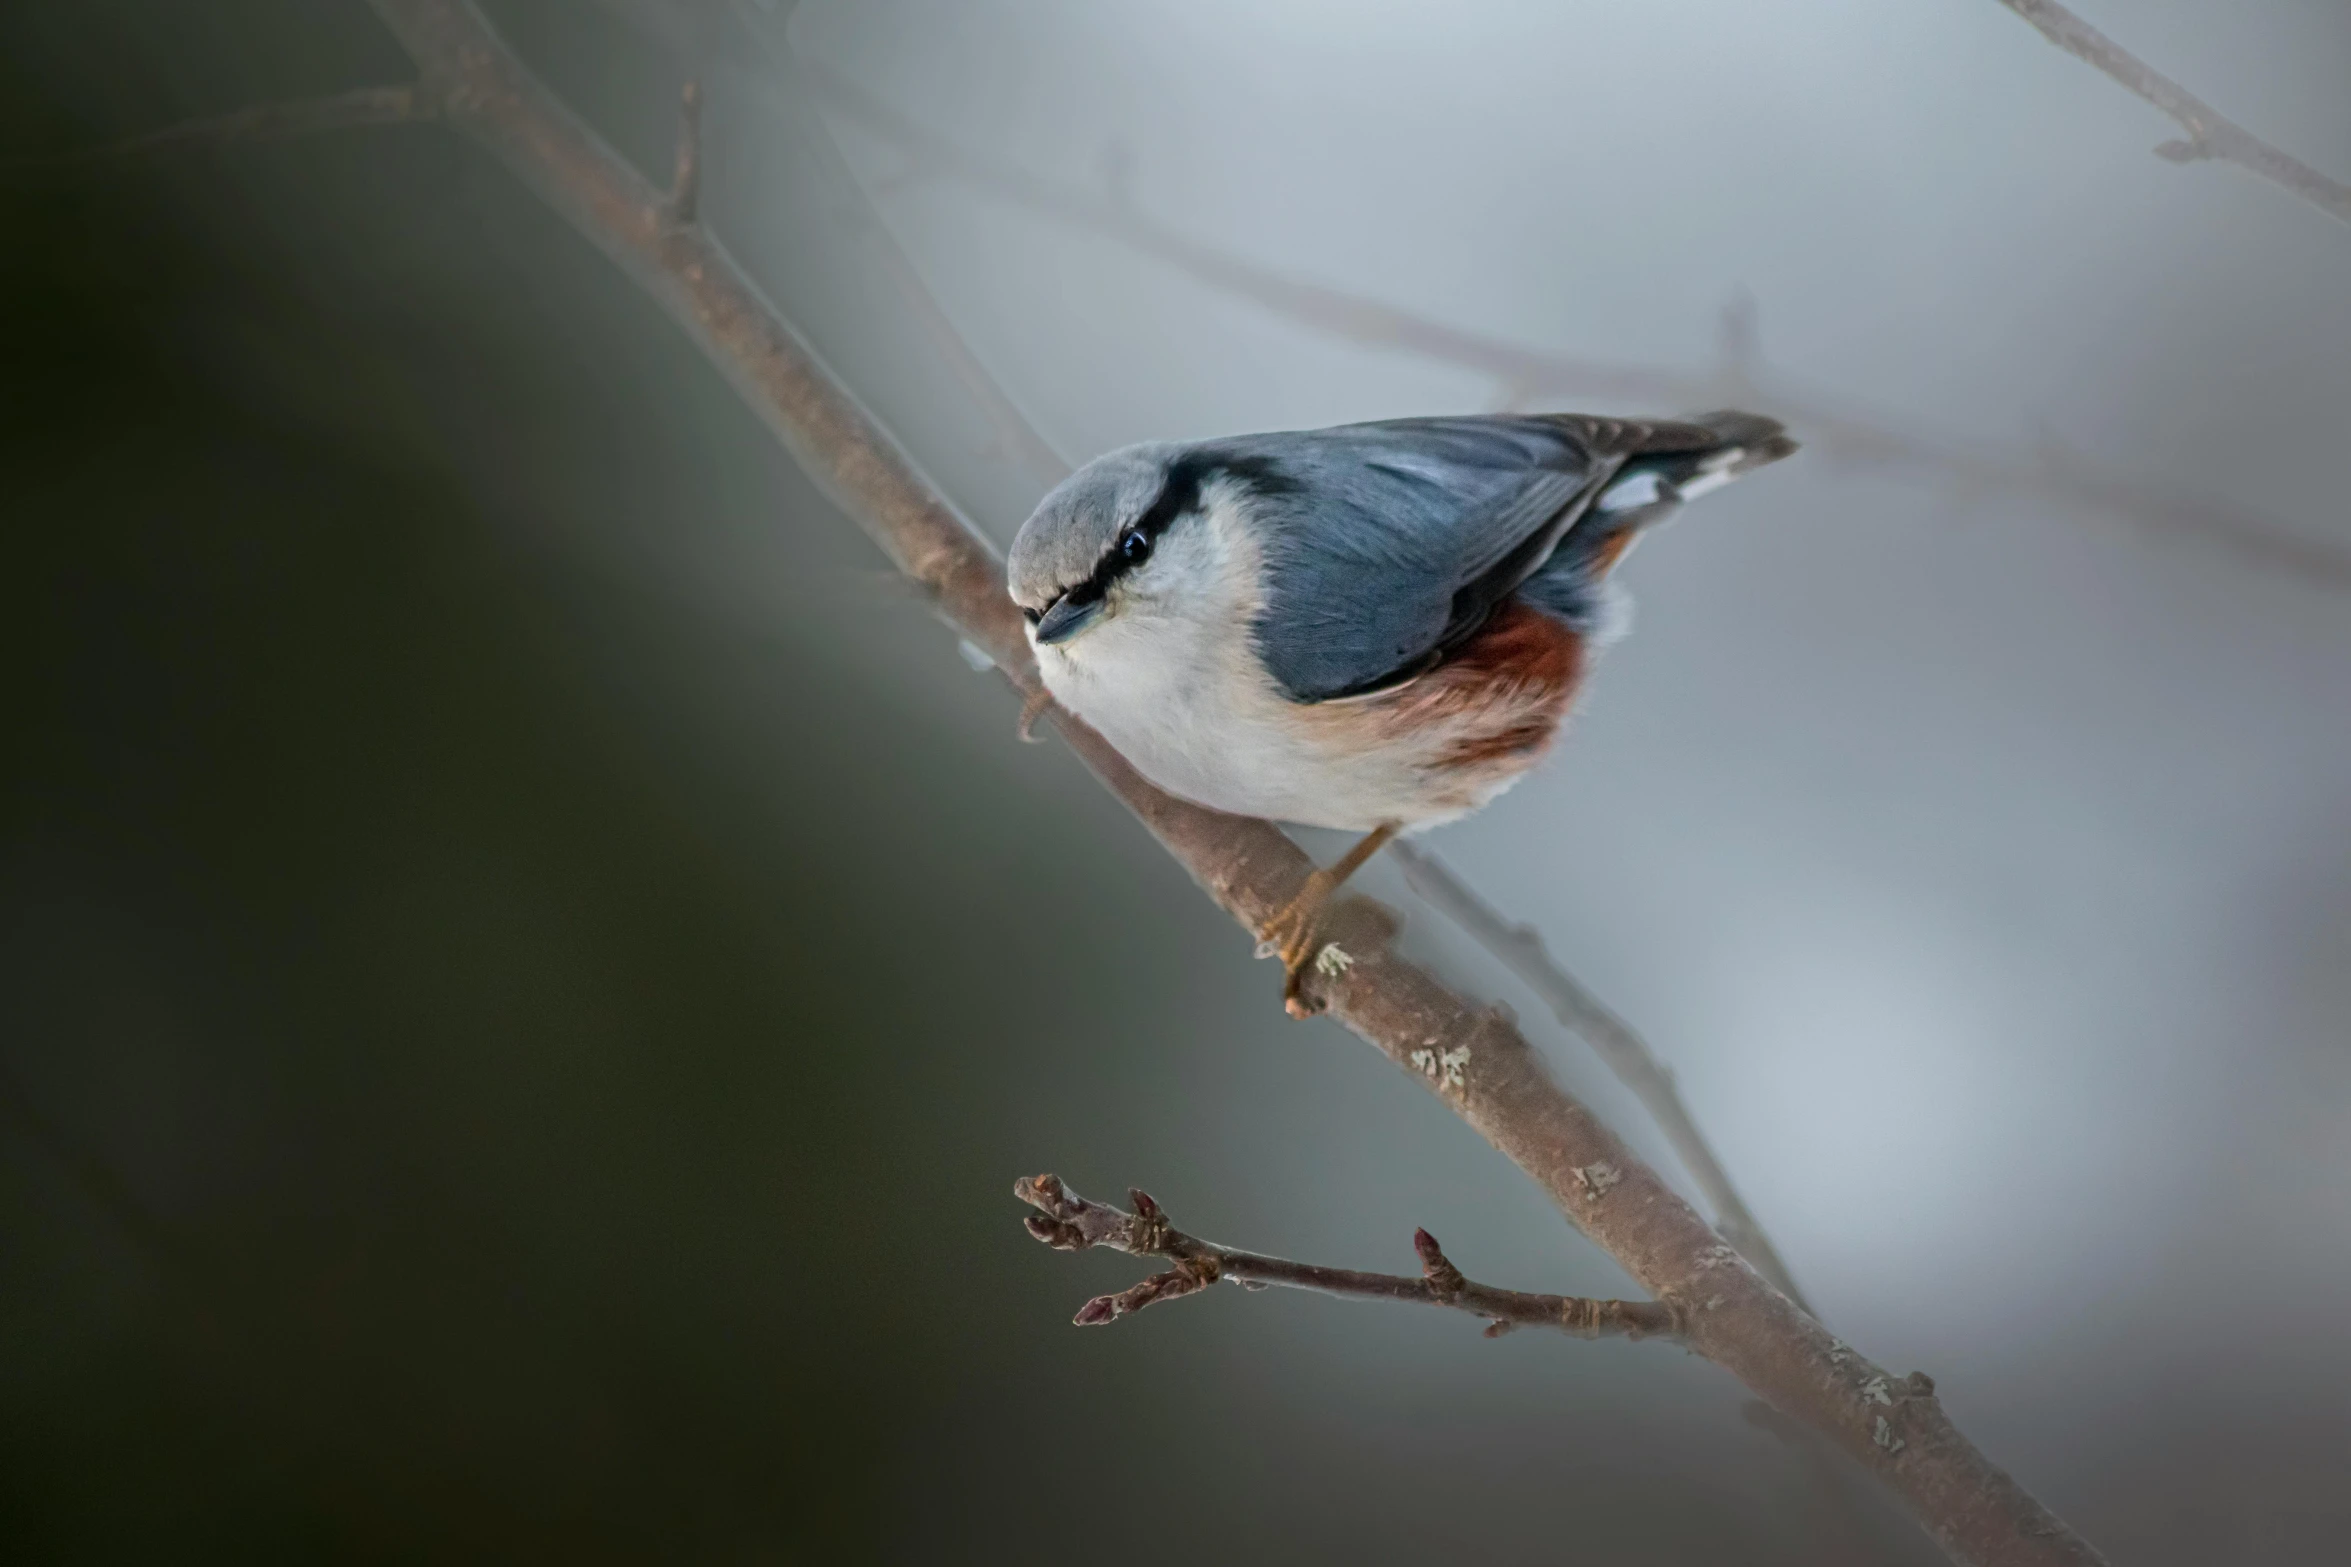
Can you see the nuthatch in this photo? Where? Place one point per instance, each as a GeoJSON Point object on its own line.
{"type": "Point", "coordinates": [1375, 627]}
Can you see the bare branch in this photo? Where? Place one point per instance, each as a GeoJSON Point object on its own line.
{"type": "Point", "coordinates": [403, 105]}
{"type": "Point", "coordinates": [1619, 1047]}
{"type": "Point", "coordinates": [1067, 1222]}
{"type": "Point", "coordinates": [1528, 375]}
{"type": "Point", "coordinates": [1472, 1059]}
{"type": "Point", "coordinates": [2212, 136]}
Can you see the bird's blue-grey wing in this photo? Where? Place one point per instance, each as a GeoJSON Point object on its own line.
{"type": "Point", "coordinates": [1387, 544]}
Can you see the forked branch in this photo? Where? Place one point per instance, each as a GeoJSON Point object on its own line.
{"type": "Point", "coordinates": [1067, 1222]}
{"type": "Point", "coordinates": [2212, 136]}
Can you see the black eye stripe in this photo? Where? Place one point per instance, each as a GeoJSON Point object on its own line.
{"type": "Point", "coordinates": [1179, 495]}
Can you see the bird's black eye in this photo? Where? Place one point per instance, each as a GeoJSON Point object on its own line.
{"type": "Point", "coordinates": [1033, 615]}
{"type": "Point", "coordinates": [1135, 545]}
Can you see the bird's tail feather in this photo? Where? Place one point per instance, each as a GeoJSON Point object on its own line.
{"type": "Point", "coordinates": [1710, 450]}
{"type": "Point", "coordinates": [1677, 462]}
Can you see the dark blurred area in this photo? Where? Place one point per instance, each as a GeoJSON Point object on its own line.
{"type": "Point", "coordinates": [498, 1064]}
{"type": "Point", "coordinates": [527, 968]}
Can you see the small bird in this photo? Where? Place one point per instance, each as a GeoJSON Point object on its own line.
{"type": "Point", "coordinates": [1375, 627]}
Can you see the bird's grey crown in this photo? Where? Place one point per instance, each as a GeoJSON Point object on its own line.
{"type": "Point", "coordinates": [1066, 541]}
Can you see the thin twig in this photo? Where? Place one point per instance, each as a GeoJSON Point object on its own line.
{"type": "Point", "coordinates": [2212, 136]}
{"type": "Point", "coordinates": [685, 183]}
{"type": "Point", "coordinates": [687, 28]}
{"type": "Point", "coordinates": [1017, 436]}
{"type": "Point", "coordinates": [1067, 1222]}
{"type": "Point", "coordinates": [1528, 376]}
{"type": "Point", "coordinates": [1618, 1045]}
{"type": "Point", "coordinates": [407, 104]}
{"type": "Point", "coordinates": [1472, 1059]}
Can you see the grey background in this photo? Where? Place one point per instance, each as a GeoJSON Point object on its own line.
{"type": "Point", "coordinates": [528, 965]}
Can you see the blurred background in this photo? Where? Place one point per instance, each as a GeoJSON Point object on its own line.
{"type": "Point", "coordinates": [528, 965]}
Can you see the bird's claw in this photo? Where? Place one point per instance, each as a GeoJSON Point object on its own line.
{"type": "Point", "coordinates": [1290, 935]}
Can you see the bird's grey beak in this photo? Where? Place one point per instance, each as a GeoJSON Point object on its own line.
{"type": "Point", "coordinates": [1067, 618]}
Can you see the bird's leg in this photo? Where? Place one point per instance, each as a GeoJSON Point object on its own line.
{"type": "Point", "coordinates": [1291, 932]}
